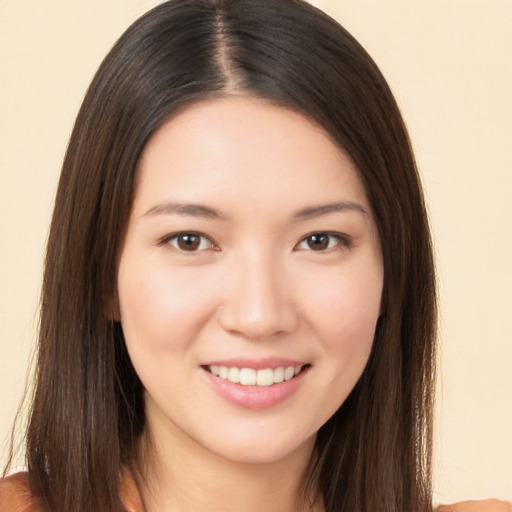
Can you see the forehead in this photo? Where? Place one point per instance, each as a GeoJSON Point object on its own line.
{"type": "Point", "coordinates": [246, 148]}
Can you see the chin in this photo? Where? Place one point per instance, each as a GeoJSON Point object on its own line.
{"type": "Point", "coordinates": [259, 449]}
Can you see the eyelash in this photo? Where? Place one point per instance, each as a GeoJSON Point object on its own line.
{"type": "Point", "coordinates": [167, 240]}
{"type": "Point", "coordinates": [341, 241]}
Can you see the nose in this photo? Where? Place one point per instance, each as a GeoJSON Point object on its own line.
{"type": "Point", "coordinates": [258, 301]}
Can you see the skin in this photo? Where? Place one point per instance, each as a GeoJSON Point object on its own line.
{"type": "Point", "coordinates": [256, 286]}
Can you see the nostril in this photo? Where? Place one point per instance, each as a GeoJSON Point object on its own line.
{"type": "Point", "coordinates": [256, 322]}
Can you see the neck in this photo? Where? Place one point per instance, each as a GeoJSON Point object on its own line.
{"type": "Point", "coordinates": [176, 474]}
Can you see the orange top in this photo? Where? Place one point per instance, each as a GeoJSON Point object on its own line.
{"type": "Point", "coordinates": [15, 496]}
{"type": "Point", "coordinates": [477, 506]}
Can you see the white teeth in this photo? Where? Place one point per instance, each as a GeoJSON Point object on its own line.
{"type": "Point", "coordinates": [279, 375]}
{"type": "Point", "coordinates": [251, 377]}
{"type": "Point", "coordinates": [265, 377]}
{"type": "Point", "coordinates": [247, 377]}
{"type": "Point", "coordinates": [289, 372]}
{"type": "Point", "coordinates": [234, 375]}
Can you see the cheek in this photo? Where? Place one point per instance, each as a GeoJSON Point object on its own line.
{"type": "Point", "coordinates": [344, 315]}
{"type": "Point", "coordinates": [347, 306]}
{"type": "Point", "coordinates": [161, 310]}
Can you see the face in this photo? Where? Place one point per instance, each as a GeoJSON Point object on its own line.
{"type": "Point", "coordinates": [250, 279]}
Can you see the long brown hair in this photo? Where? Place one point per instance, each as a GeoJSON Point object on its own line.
{"type": "Point", "coordinates": [374, 454]}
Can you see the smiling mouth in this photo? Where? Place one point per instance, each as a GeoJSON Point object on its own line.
{"type": "Point", "coordinates": [251, 377]}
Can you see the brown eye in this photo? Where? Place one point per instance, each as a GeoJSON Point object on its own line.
{"type": "Point", "coordinates": [318, 242]}
{"type": "Point", "coordinates": [189, 242]}
{"type": "Point", "coordinates": [324, 241]}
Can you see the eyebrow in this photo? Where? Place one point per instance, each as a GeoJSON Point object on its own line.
{"type": "Point", "coordinates": [324, 209]}
{"type": "Point", "coordinates": [194, 210]}
{"type": "Point", "coordinates": [199, 210]}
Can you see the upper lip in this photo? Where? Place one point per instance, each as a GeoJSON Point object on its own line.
{"type": "Point", "coordinates": [257, 364]}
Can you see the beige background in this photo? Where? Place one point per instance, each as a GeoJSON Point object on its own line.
{"type": "Point", "coordinates": [450, 65]}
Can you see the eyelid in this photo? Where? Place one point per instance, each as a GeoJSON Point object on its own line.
{"type": "Point", "coordinates": [166, 240]}
{"type": "Point", "coordinates": [344, 240]}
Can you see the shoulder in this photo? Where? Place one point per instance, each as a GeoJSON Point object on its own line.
{"type": "Point", "coordinates": [477, 506]}
{"type": "Point", "coordinates": [15, 494]}
{"type": "Point", "coordinates": [130, 494]}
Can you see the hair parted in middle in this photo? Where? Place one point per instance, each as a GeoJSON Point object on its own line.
{"type": "Point", "coordinates": [88, 409]}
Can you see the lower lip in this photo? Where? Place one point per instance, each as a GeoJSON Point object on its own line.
{"type": "Point", "coordinates": [255, 397]}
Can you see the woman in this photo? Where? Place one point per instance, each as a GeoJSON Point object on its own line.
{"type": "Point", "coordinates": [238, 304]}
